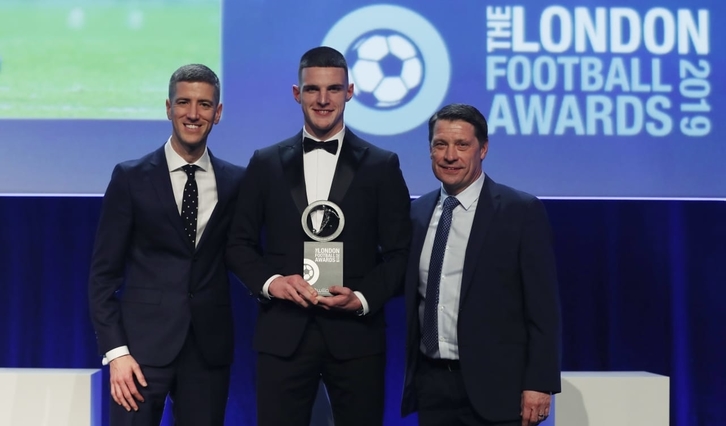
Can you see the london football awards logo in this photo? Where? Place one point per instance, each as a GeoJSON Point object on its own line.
{"type": "Point", "coordinates": [398, 63]}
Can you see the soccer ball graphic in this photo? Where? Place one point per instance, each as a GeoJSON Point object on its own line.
{"type": "Point", "coordinates": [311, 271]}
{"type": "Point", "coordinates": [387, 69]}
{"type": "Point", "coordinates": [308, 272]}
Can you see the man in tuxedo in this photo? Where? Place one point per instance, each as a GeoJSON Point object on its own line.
{"type": "Point", "coordinates": [301, 336]}
{"type": "Point", "coordinates": [482, 305]}
{"type": "Point", "coordinates": [158, 288]}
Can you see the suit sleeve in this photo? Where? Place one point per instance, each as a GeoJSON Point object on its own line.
{"type": "Point", "coordinates": [244, 253]}
{"type": "Point", "coordinates": [394, 237]}
{"type": "Point", "coordinates": [541, 301]}
{"type": "Point", "coordinates": [108, 262]}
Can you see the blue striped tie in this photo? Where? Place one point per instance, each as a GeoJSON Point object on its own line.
{"type": "Point", "coordinates": [430, 332]}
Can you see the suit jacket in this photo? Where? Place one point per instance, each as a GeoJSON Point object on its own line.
{"type": "Point", "coordinates": [509, 322]}
{"type": "Point", "coordinates": [267, 238]}
{"type": "Point", "coordinates": [166, 284]}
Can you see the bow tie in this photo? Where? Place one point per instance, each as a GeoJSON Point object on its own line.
{"type": "Point", "coordinates": [310, 144]}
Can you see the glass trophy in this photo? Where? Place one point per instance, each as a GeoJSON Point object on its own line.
{"type": "Point", "coordinates": [323, 221]}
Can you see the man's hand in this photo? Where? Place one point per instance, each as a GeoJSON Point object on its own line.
{"type": "Point", "coordinates": [342, 298]}
{"type": "Point", "coordinates": [295, 289]}
{"type": "Point", "coordinates": [123, 389]}
{"type": "Point", "coordinates": [535, 407]}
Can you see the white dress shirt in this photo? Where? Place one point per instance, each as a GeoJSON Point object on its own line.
{"type": "Point", "coordinates": [452, 268]}
{"type": "Point", "coordinates": [319, 169]}
{"type": "Point", "coordinates": [207, 190]}
{"type": "Point", "coordinates": [206, 184]}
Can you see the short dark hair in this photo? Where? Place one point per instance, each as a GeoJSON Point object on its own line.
{"type": "Point", "coordinates": [463, 112]}
{"type": "Point", "coordinates": [322, 56]}
{"type": "Point", "coordinates": [194, 73]}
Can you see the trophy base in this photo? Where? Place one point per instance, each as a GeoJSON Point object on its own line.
{"type": "Point", "coordinates": [323, 265]}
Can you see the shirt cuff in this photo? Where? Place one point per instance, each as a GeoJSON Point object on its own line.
{"type": "Point", "coordinates": [115, 353]}
{"type": "Point", "coordinates": [266, 287]}
{"type": "Point", "coordinates": [362, 302]}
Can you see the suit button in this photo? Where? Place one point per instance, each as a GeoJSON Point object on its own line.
{"type": "Point", "coordinates": [191, 295]}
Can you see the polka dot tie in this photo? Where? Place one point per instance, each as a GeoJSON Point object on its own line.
{"type": "Point", "coordinates": [190, 203]}
{"type": "Point", "coordinates": [430, 331]}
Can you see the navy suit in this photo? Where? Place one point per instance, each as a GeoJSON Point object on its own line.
{"type": "Point", "coordinates": [267, 238]}
{"type": "Point", "coordinates": [508, 320]}
{"type": "Point", "coordinates": [167, 286]}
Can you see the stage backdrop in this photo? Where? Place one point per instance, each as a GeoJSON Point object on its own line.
{"type": "Point", "coordinates": [589, 98]}
{"type": "Point", "coordinates": [585, 99]}
{"type": "Point", "coordinates": [642, 288]}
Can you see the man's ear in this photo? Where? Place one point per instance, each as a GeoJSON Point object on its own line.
{"type": "Point", "coordinates": [484, 150]}
{"type": "Point", "coordinates": [296, 92]}
{"type": "Point", "coordinates": [218, 114]}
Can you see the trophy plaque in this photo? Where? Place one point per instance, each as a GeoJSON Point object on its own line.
{"type": "Point", "coordinates": [323, 221]}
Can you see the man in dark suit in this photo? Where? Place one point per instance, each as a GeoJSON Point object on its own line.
{"type": "Point", "coordinates": [160, 241]}
{"type": "Point", "coordinates": [300, 335]}
{"type": "Point", "coordinates": [482, 305]}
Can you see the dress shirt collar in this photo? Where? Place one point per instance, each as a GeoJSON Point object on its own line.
{"type": "Point", "coordinates": [175, 161]}
{"type": "Point", "coordinates": [468, 196]}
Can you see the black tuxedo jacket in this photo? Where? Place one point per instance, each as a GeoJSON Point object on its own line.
{"type": "Point", "coordinates": [165, 283]}
{"type": "Point", "coordinates": [267, 239]}
{"type": "Point", "coordinates": [509, 320]}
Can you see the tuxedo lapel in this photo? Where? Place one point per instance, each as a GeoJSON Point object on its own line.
{"type": "Point", "coordinates": [485, 210]}
{"type": "Point", "coordinates": [291, 156]}
{"type": "Point", "coordinates": [351, 154]}
{"type": "Point", "coordinates": [161, 182]}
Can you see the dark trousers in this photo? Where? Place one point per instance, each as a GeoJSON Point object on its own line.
{"type": "Point", "coordinates": [286, 387]}
{"type": "Point", "coordinates": [442, 398]}
{"type": "Point", "coordinates": [198, 392]}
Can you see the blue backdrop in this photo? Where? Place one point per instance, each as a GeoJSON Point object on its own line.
{"type": "Point", "coordinates": [642, 285]}
{"type": "Point", "coordinates": [588, 98]}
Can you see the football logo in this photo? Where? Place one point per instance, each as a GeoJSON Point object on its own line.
{"type": "Point", "coordinates": [387, 70]}
{"type": "Point", "coordinates": [311, 272]}
{"type": "Point", "coordinates": [399, 66]}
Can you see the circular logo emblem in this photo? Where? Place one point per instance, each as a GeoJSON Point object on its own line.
{"type": "Point", "coordinates": [386, 68]}
{"type": "Point", "coordinates": [398, 63]}
{"type": "Point", "coordinates": [311, 272]}
{"type": "Point", "coordinates": [329, 224]}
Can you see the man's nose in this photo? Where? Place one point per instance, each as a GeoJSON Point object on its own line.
{"type": "Point", "coordinates": [451, 153]}
{"type": "Point", "coordinates": [323, 97]}
{"type": "Point", "coordinates": [193, 112]}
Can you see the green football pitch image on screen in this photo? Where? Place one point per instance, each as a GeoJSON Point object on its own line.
{"type": "Point", "coordinates": [100, 59]}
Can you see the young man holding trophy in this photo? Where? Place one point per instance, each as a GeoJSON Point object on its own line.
{"type": "Point", "coordinates": [321, 205]}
